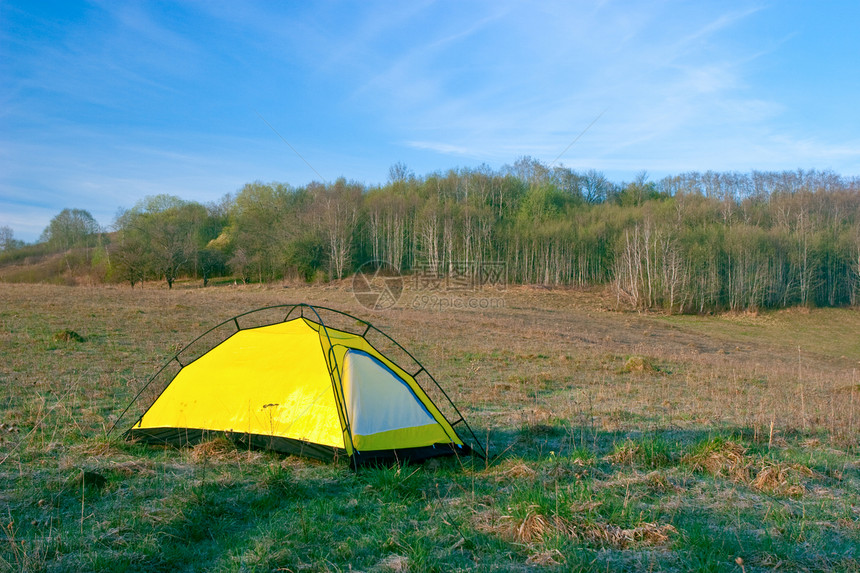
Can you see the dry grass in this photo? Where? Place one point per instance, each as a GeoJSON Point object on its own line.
{"type": "Point", "coordinates": [723, 459]}
{"type": "Point", "coordinates": [638, 364]}
{"type": "Point", "coordinates": [782, 478]}
{"type": "Point", "coordinates": [726, 436]}
{"type": "Point", "coordinates": [221, 449]}
{"type": "Point", "coordinates": [551, 558]}
{"type": "Point", "coordinates": [132, 468]}
{"type": "Point", "coordinates": [648, 534]}
{"type": "Point", "coordinates": [551, 338]}
{"type": "Point", "coordinates": [97, 449]}
{"type": "Point", "coordinates": [395, 563]}
{"type": "Point", "coordinates": [730, 460]}
{"type": "Point", "coordinates": [516, 470]}
{"type": "Point", "coordinates": [68, 336]}
{"type": "Point", "coordinates": [625, 454]}
{"type": "Point", "coordinates": [535, 526]}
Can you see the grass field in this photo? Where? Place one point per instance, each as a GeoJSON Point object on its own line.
{"type": "Point", "coordinates": [617, 441]}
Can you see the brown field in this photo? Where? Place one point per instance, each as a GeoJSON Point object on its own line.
{"type": "Point", "coordinates": [635, 423]}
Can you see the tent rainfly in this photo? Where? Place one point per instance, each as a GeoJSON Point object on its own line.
{"type": "Point", "coordinates": [299, 386]}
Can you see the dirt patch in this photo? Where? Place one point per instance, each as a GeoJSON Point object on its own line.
{"type": "Point", "coordinates": [92, 479]}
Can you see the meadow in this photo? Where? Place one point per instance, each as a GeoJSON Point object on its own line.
{"type": "Point", "coordinates": [615, 441]}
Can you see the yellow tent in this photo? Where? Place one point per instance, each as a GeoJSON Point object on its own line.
{"type": "Point", "coordinates": [299, 386]}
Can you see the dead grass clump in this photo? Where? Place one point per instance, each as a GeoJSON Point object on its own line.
{"type": "Point", "coordinates": [534, 526]}
{"type": "Point", "coordinates": [68, 336]}
{"type": "Point", "coordinates": [527, 529]}
{"type": "Point", "coordinates": [729, 460]}
{"type": "Point", "coordinates": [645, 533]}
{"type": "Point", "coordinates": [531, 528]}
{"type": "Point", "coordinates": [518, 470]}
{"type": "Point", "coordinates": [9, 428]}
{"type": "Point", "coordinates": [215, 450]}
{"type": "Point", "coordinates": [131, 468]}
{"type": "Point", "coordinates": [638, 364]}
{"type": "Point", "coordinates": [781, 478]}
{"type": "Point", "coordinates": [97, 448]}
{"type": "Point", "coordinates": [536, 416]}
{"type": "Point", "coordinates": [396, 563]}
{"type": "Point", "coordinates": [659, 481]}
{"type": "Point", "coordinates": [723, 459]}
{"type": "Point", "coordinates": [577, 468]}
{"type": "Point", "coordinates": [626, 453]}
{"type": "Point", "coordinates": [552, 558]}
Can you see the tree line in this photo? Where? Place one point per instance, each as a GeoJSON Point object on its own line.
{"type": "Point", "coordinates": [694, 242]}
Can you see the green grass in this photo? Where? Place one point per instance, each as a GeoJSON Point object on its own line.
{"type": "Point", "coordinates": [811, 331]}
{"type": "Point", "coordinates": [687, 466]}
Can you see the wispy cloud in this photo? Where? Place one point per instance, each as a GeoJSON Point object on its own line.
{"type": "Point", "coordinates": [665, 90]}
{"type": "Point", "coordinates": [581, 76]}
{"type": "Point", "coordinates": [444, 148]}
{"type": "Point", "coordinates": [720, 23]}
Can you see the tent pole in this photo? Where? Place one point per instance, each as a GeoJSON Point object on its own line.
{"type": "Point", "coordinates": [337, 385]}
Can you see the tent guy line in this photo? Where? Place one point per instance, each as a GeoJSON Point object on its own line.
{"type": "Point", "coordinates": [575, 139]}
{"type": "Point", "coordinates": [324, 180]}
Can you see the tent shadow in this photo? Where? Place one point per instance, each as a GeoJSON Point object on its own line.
{"type": "Point", "coordinates": [536, 442]}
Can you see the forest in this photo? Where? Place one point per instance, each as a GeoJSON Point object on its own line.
{"type": "Point", "coordinates": [689, 243]}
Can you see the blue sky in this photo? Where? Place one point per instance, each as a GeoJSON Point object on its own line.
{"type": "Point", "coordinates": [104, 103]}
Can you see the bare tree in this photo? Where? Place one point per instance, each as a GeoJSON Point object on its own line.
{"type": "Point", "coordinates": [7, 239]}
{"type": "Point", "coordinates": [399, 173]}
{"type": "Point", "coordinates": [340, 203]}
{"type": "Point", "coordinates": [595, 186]}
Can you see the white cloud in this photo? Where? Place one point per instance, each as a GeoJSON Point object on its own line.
{"type": "Point", "coordinates": [444, 148]}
